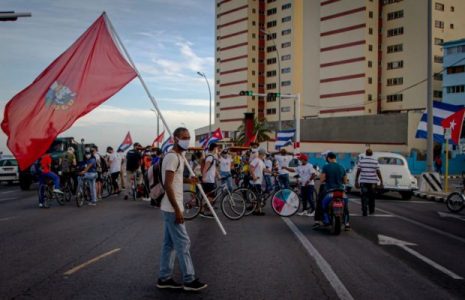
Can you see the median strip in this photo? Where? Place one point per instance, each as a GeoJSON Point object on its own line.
{"type": "Point", "coordinates": [89, 262]}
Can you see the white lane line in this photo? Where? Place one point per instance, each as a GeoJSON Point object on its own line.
{"type": "Point", "coordinates": [7, 218]}
{"type": "Point", "coordinates": [93, 260]}
{"type": "Point", "coordinates": [8, 199]}
{"type": "Point", "coordinates": [430, 228]}
{"type": "Point", "coordinates": [324, 266]}
{"type": "Point", "coordinates": [7, 192]}
{"type": "Point", "coordinates": [407, 201]}
{"type": "Point", "coordinates": [373, 215]}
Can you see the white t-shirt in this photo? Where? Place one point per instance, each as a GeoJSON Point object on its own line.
{"type": "Point", "coordinates": [210, 175]}
{"type": "Point", "coordinates": [283, 161]}
{"type": "Point", "coordinates": [305, 172]}
{"type": "Point", "coordinates": [115, 162]}
{"type": "Point", "coordinates": [258, 166]}
{"type": "Point", "coordinates": [225, 164]}
{"type": "Point", "coordinates": [269, 165]}
{"type": "Point", "coordinates": [171, 161]}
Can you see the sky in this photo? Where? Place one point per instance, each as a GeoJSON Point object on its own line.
{"type": "Point", "coordinates": [168, 40]}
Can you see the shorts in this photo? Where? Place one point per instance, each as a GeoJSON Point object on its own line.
{"type": "Point", "coordinates": [208, 187]}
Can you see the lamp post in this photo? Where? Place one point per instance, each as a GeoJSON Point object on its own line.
{"type": "Point", "coordinates": [279, 77]}
{"type": "Point", "coordinates": [210, 97]}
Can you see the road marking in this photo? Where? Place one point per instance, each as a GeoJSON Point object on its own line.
{"type": "Point", "coordinates": [431, 228]}
{"type": "Point", "coordinates": [407, 201]}
{"type": "Point", "coordinates": [93, 260]}
{"type": "Point", "coordinates": [324, 266]}
{"type": "Point", "coordinates": [7, 218]}
{"type": "Point", "coordinates": [453, 216]}
{"type": "Point", "coordinates": [7, 192]}
{"type": "Point", "coordinates": [373, 215]}
{"type": "Point", "coordinates": [386, 240]}
{"type": "Point", "coordinates": [7, 199]}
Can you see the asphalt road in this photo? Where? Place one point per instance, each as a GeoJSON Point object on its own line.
{"type": "Point", "coordinates": [111, 251]}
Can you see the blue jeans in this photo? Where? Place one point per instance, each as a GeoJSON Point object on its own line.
{"type": "Point", "coordinates": [227, 178]}
{"type": "Point", "coordinates": [43, 176]}
{"type": "Point", "coordinates": [306, 192]}
{"type": "Point", "coordinates": [89, 177]}
{"type": "Point", "coordinates": [326, 200]}
{"type": "Point", "coordinates": [268, 183]}
{"type": "Point", "coordinates": [175, 242]}
{"type": "Point", "coordinates": [284, 180]}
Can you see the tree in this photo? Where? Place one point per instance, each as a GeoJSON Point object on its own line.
{"type": "Point", "coordinates": [260, 129]}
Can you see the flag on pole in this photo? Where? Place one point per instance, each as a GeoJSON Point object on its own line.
{"type": "Point", "coordinates": [455, 123]}
{"type": "Point", "coordinates": [216, 136]}
{"type": "Point", "coordinates": [441, 111]}
{"type": "Point", "coordinates": [203, 141]}
{"type": "Point", "coordinates": [127, 142]}
{"type": "Point", "coordinates": [80, 79]}
{"type": "Point", "coordinates": [158, 139]}
{"type": "Point", "coordinates": [167, 145]}
{"type": "Point", "coordinates": [284, 138]}
{"type": "Point", "coordinates": [252, 140]}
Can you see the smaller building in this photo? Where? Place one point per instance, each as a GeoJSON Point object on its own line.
{"type": "Point", "coordinates": [454, 72]}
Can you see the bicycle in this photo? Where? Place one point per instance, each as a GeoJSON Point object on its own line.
{"type": "Point", "coordinates": [232, 204]}
{"type": "Point", "coordinates": [455, 201]}
{"type": "Point", "coordinates": [107, 185]}
{"type": "Point", "coordinates": [83, 193]}
{"type": "Point", "coordinates": [67, 187]}
{"type": "Point", "coordinates": [46, 189]}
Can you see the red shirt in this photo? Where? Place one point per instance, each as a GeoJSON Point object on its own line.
{"type": "Point", "coordinates": [45, 163]}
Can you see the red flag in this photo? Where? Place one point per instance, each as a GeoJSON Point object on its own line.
{"type": "Point", "coordinates": [158, 139]}
{"type": "Point", "coordinates": [455, 123]}
{"type": "Point", "coordinates": [84, 76]}
{"type": "Point", "coordinates": [252, 140]}
{"type": "Point", "coordinates": [127, 142]}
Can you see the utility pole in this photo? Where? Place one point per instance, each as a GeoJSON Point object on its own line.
{"type": "Point", "coordinates": [429, 143]}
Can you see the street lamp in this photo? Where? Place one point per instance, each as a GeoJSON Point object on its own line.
{"type": "Point", "coordinates": [210, 95]}
{"type": "Point", "coordinates": [279, 77]}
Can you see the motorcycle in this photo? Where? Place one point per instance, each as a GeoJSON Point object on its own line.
{"type": "Point", "coordinates": [334, 211]}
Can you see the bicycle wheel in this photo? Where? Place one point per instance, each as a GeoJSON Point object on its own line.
{"type": "Point", "coordinates": [80, 196]}
{"type": "Point", "coordinates": [107, 187]}
{"type": "Point", "coordinates": [59, 197]}
{"type": "Point", "coordinates": [48, 195]}
{"type": "Point", "coordinates": [233, 206]}
{"type": "Point", "coordinates": [250, 199]}
{"type": "Point", "coordinates": [67, 193]}
{"type": "Point", "coordinates": [455, 202]}
{"type": "Point", "coordinates": [285, 203]}
{"type": "Point", "coordinates": [191, 205]}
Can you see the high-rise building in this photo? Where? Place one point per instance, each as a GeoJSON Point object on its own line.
{"type": "Point", "coordinates": [347, 59]}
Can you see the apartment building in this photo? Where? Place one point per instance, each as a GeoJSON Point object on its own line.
{"type": "Point", "coordinates": [347, 59]}
{"type": "Point", "coordinates": [454, 74]}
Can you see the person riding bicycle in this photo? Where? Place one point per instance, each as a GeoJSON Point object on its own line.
{"type": "Point", "coordinates": [100, 171]}
{"type": "Point", "coordinates": [46, 173]}
{"type": "Point", "coordinates": [68, 168]}
{"type": "Point", "coordinates": [257, 170]}
{"type": "Point", "coordinates": [334, 177]}
{"type": "Point", "coordinates": [133, 162]}
{"type": "Point", "coordinates": [89, 174]}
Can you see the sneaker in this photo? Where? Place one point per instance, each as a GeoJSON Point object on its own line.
{"type": "Point", "coordinates": [316, 225]}
{"type": "Point", "coordinates": [347, 227]}
{"type": "Point", "coordinates": [168, 284]}
{"type": "Point", "coordinates": [312, 214]}
{"type": "Point", "coordinates": [194, 286]}
{"type": "Point", "coordinates": [206, 214]}
{"type": "Point", "coordinates": [57, 191]}
{"type": "Point", "coordinates": [92, 204]}
{"type": "Point", "coordinates": [41, 205]}
{"type": "Point", "coordinates": [304, 213]}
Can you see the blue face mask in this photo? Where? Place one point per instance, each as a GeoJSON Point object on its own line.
{"type": "Point", "coordinates": [184, 144]}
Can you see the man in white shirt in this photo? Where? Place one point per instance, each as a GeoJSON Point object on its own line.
{"type": "Point", "coordinates": [283, 160]}
{"type": "Point", "coordinates": [367, 177]}
{"type": "Point", "coordinates": [225, 169]}
{"type": "Point", "coordinates": [307, 176]}
{"type": "Point", "coordinates": [209, 173]}
{"type": "Point", "coordinates": [114, 161]}
{"type": "Point", "coordinates": [257, 170]}
{"type": "Point", "coordinates": [176, 242]}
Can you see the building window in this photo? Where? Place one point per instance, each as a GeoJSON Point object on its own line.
{"type": "Point", "coordinates": [437, 94]}
{"type": "Point", "coordinates": [439, 24]}
{"type": "Point", "coordinates": [370, 47]}
{"type": "Point", "coordinates": [395, 81]}
{"type": "Point", "coordinates": [370, 97]}
{"type": "Point", "coordinates": [286, 109]}
{"type": "Point", "coordinates": [271, 61]}
{"type": "Point", "coordinates": [451, 26]}
{"type": "Point", "coordinates": [286, 19]}
{"type": "Point", "coordinates": [395, 31]}
{"type": "Point", "coordinates": [454, 50]}
{"type": "Point", "coordinates": [286, 57]}
{"type": "Point", "coordinates": [270, 1]}
{"type": "Point", "coordinates": [452, 9]}
{"type": "Point", "coordinates": [271, 73]}
{"type": "Point", "coordinates": [438, 59]}
{"type": "Point", "coordinates": [271, 11]}
{"type": "Point", "coordinates": [271, 24]}
{"type": "Point", "coordinates": [286, 44]}
{"type": "Point", "coordinates": [385, 2]}
{"type": "Point", "coordinates": [370, 14]}
{"type": "Point", "coordinates": [456, 69]}
{"type": "Point", "coordinates": [370, 80]}
{"type": "Point", "coordinates": [370, 64]}
{"type": "Point", "coordinates": [438, 41]}
{"type": "Point", "coordinates": [395, 65]}
{"type": "Point", "coordinates": [439, 6]}
{"type": "Point", "coordinates": [437, 76]}
{"type": "Point", "coordinates": [395, 15]}
{"type": "Point", "coordinates": [218, 116]}
{"type": "Point", "coordinates": [271, 86]}
{"type": "Point", "coordinates": [286, 6]}
{"type": "Point", "coordinates": [286, 70]}
{"type": "Point", "coordinates": [395, 48]}
{"type": "Point", "coordinates": [271, 36]}
{"type": "Point", "coordinates": [271, 111]}
{"type": "Point", "coordinates": [286, 32]}
{"type": "Point", "coordinates": [370, 30]}
{"type": "Point", "coordinates": [455, 89]}
{"type": "Point", "coordinates": [286, 83]}
{"type": "Point", "coordinates": [270, 48]}
{"type": "Point", "coordinates": [395, 98]}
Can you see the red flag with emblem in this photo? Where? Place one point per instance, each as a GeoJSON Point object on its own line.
{"type": "Point", "coordinates": [80, 79]}
{"type": "Point", "coordinates": [455, 123]}
{"type": "Point", "coordinates": [158, 139]}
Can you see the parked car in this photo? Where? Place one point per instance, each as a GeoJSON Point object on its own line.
{"type": "Point", "coordinates": [395, 172]}
{"type": "Point", "coordinates": [9, 171]}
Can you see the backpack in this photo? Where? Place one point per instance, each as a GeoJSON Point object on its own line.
{"type": "Point", "coordinates": [132, 160]}
{"type": "Point", "coordinates": [157, 188]}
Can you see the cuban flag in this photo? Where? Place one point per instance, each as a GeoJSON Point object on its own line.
{"type": "Point", "coordinates": [441, 111]}
{"type": "Point", "coordinates": [127, 142]}
{"type": "Point", "coordinates": [216, 136]}
{"type": "Point", "coordinates": [284, 138]}
{"type": "Point", "coordinates": [167, 145]}
{"type": "Point", "coordinates": [203, 141]}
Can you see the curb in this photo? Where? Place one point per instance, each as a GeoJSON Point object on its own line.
{"type": "Point", "coordinates": [427, 196]}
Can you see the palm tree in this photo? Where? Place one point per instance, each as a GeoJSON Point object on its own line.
{"type": "Point", "coordinates": [260, 129]}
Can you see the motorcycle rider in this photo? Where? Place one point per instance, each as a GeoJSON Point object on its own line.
{"type": "Point", "coordinates": [333, 176]}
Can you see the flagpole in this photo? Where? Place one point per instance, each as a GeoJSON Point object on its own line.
{"type": "Point", "coordinates": [155, 104]}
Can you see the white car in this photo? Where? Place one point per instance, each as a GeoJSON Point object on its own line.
{"type": "Point", "coordinates": [9, 171]}
{"type": "Point", "coordinates": [395, 172]}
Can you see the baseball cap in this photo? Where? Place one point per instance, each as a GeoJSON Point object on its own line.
{"type": "Point", "coordinates": [262, 151]}
{"type": "Point", "coordinates": [303, 157]}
